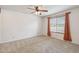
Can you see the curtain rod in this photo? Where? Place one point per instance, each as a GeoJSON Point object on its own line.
{"type": "Point", "coordinates": [59, 14]}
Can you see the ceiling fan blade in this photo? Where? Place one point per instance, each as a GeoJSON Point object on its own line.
{"type": "Point", "coordinates": [31, 8]}
{"type": "Point", "coordinates": [32, 12]}
{"type": "Point", "coordinates": [43, 10]}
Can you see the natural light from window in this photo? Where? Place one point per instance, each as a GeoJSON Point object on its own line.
{"type": "Point", "coordinates": [57, 24]}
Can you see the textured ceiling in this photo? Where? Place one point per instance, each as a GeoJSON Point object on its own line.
{"type": "Point", "coordinates": [24, 8]}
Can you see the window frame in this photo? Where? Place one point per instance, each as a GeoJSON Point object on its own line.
{"type": "Point", "coordinates": [57, 24]}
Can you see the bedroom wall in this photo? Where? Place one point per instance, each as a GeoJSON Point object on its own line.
{"type": "Point", "coordinates": [74, 24]}
{"type": "Point", "coordinates": [18, 25]}
{"type": "Point", "coordinates": [0, 26]}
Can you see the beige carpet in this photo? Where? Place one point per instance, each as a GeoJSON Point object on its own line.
{"type": "Point", "coordinates": [40, 44]}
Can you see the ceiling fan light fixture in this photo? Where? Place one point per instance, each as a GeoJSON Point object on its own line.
{"type": "Point", "coordinates": [38, 13]}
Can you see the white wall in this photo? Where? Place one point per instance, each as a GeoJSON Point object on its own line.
{"type": "Point", "coordinates": [0, 26]}
{"type": "Point", "coordinates": [74, 24]}
{"type": "Point", "coordinates": [19, 26]}
{"type": "Point", "coordinates": [74, 18]}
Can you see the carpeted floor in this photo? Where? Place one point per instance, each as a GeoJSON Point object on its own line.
{"type": "Point", "coordinates": [40, 44]}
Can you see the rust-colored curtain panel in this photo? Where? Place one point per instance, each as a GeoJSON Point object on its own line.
{"type": "Point", "coordinates": [67, 34]}
{"type": "Point", "coordinates": [49, 32]}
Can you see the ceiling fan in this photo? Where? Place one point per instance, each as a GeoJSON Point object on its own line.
{"type": "Point", "coordinates": [38, 10]}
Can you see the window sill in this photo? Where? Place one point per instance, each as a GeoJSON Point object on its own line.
{"type": "Point", "coordinates": [57, 32]}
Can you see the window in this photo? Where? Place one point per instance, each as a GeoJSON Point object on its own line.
{"type": "Point", "coordinates": [57, 24]}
